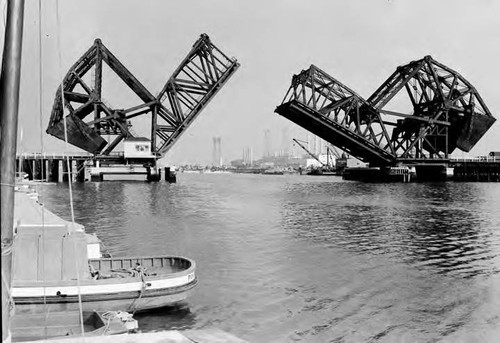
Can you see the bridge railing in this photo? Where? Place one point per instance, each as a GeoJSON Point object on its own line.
{"type": "Point", "coordinates": [53, 155]}
{"type": "Point", "coordinates": [476, 159]}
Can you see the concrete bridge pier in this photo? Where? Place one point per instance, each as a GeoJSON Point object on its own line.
{"type": "Point", "coordinates": [170, 176]}
{"type": "Point", "coordinates": [26, 167]}
{"type": "Point", "coordinates": [69, 175]}
{"type": "Point", "coordinates": [80, 170]}
{"type": "Point", "coordinates": [153, 174]}
{"type": "Point", "coordinates": [96, 177]}
{"type": "Point", "coordinates": [431, 172]}
{"type": "Point", "coordinates": [53, 170]}
{"type": "Point", "coordinates": [37, 169]}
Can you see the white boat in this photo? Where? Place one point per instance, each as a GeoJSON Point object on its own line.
{"type": "Point", "coordinates": [57, 264]}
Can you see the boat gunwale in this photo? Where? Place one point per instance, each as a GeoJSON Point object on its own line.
{"type": "Point", "coordinates": [124, 295]}
{"type": "Point", "coordinates": [109, 281]}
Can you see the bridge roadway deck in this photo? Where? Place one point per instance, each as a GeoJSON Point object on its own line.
{"type": "Point", "coordinates": [335, 133]}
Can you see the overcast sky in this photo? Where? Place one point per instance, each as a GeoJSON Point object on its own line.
{"type": "Point", "coordinates": [358, 42]}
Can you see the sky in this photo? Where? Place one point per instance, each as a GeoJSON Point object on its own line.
{"type": "Point", "coordinates": [358, 42]}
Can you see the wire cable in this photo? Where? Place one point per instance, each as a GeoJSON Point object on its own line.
{"type": "Point", "coordinates": [68, 165]}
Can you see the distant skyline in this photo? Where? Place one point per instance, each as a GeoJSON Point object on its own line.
{"type": "Point", "coordinates": [358, 42]}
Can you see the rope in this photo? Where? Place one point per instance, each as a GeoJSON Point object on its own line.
{"type": "Point", "coordinates": [68, 164]}
{"type": "Point", "coordinates": [141, 271]}
{"type": "Point", "coordinates": [136, 301]}
{"type": "Point", "coordinates": [108, 318]}
{"type": "Point", "coordinates": [7, 250]}
{"type": "Point", "coordinates": [40, 82]}
{"type": "Point", "coordinates": [6, 247]}
{"type": "Point", "coordinates": [40, 109]}
{"type": "Point", "coordinates": [11, 304]}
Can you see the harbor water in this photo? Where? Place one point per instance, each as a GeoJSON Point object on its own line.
{"type": "Point", "coordinates": [284, 258]}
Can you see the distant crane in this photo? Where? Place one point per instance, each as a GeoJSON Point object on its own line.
{"type": "Point", "coordinates": [331, 152]}
{"type": "Point", "coordinates": [299, 143]}
{"type": "Point", "coordinates": [340, 158]}
{"type": "Point", "coordinates": [329, 166]}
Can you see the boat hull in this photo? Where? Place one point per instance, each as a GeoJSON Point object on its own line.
{"type": "Point", "coordinates": [114, 284]}
{"type": "Point", "coordinates": [121, 301]}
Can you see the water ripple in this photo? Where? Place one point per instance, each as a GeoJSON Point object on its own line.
{"type": "Point", "coordinates": [310, 259]}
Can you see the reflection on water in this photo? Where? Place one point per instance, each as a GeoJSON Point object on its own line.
{"type": "Point", "coordinates": [439, 225]}
{"type": "Point", "coordinates": [313, 259]}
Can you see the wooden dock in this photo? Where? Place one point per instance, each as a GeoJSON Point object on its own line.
{"type": "Point", "coordinates": [173, 336]}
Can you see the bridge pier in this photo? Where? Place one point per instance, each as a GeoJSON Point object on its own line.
{"type": "Point", "coordinates": [26, 168]}
{"type": "Point", "coordinates": [96, 177]}
{"type": "Point", "coordinates": [37, 169]}
{"type": "Point", "coordinates": [53, 170]}
{"type": "Point", "coordinates": [153, 174]}
{"type": "Point", "coordinates": [69, 174]}
{"type": "Point", "coordinates": [170, 176]}
{"type": "Point", "coordinates": [80, 170]}
{"type": "Point", "coordinates": [432, 173]}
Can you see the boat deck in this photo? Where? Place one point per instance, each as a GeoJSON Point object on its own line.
{"type": "Point", "coordinates": [156, 264]}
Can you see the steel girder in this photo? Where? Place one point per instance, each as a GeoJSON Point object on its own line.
{"type": "Point", "coordinates": [332, 111]}
{"type": "Point", "coordinates": [446, 112]}
{"type": "Point", "coordinates": [193, 84]}
{"type": "Point", "coordinates": [106, 120]}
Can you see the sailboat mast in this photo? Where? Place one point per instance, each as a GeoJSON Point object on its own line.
{"type": "Point", "coordinates": [9, 105]}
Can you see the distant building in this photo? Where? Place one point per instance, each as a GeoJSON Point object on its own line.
{"type": "Point", "coordinates": [248, 156]}
{"type": "Point", "coordinates": [237, 163]}
{"type": "Point", "coordinates": [216, 153]}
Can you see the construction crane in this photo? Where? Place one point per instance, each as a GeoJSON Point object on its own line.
{"type": "Point", "coordinates": [299, 143]}
{"type": "Point", "coordinates": [340, 158]}
{"type": "Point", "coordinates": [332, 150]}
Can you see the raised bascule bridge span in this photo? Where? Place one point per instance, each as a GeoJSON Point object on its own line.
{"type": "Point", "coordinates": [89, 118]}
{"type": "Point", "coordinates": [418, 116]}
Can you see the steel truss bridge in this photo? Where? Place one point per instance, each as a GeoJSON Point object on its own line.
{"type": "Point", "coordinates": [442, 111]}
{"type": "Point", "coordinates": [193, 84]}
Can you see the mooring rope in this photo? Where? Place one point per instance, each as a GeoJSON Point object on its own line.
{"type": "Point", "coordinates": [40, 109]}
{"type": "Point", "coordinates": [80, 306]}
{"type": "Point", "coordinates": [11, 304]}
{"type": "Point", "coordinates": [135, 304]}
{"type": "Point", "coordinates": [6, 247]}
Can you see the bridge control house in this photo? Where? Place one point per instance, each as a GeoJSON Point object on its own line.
{"type": "Point", "coordinates": [135, 148]}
